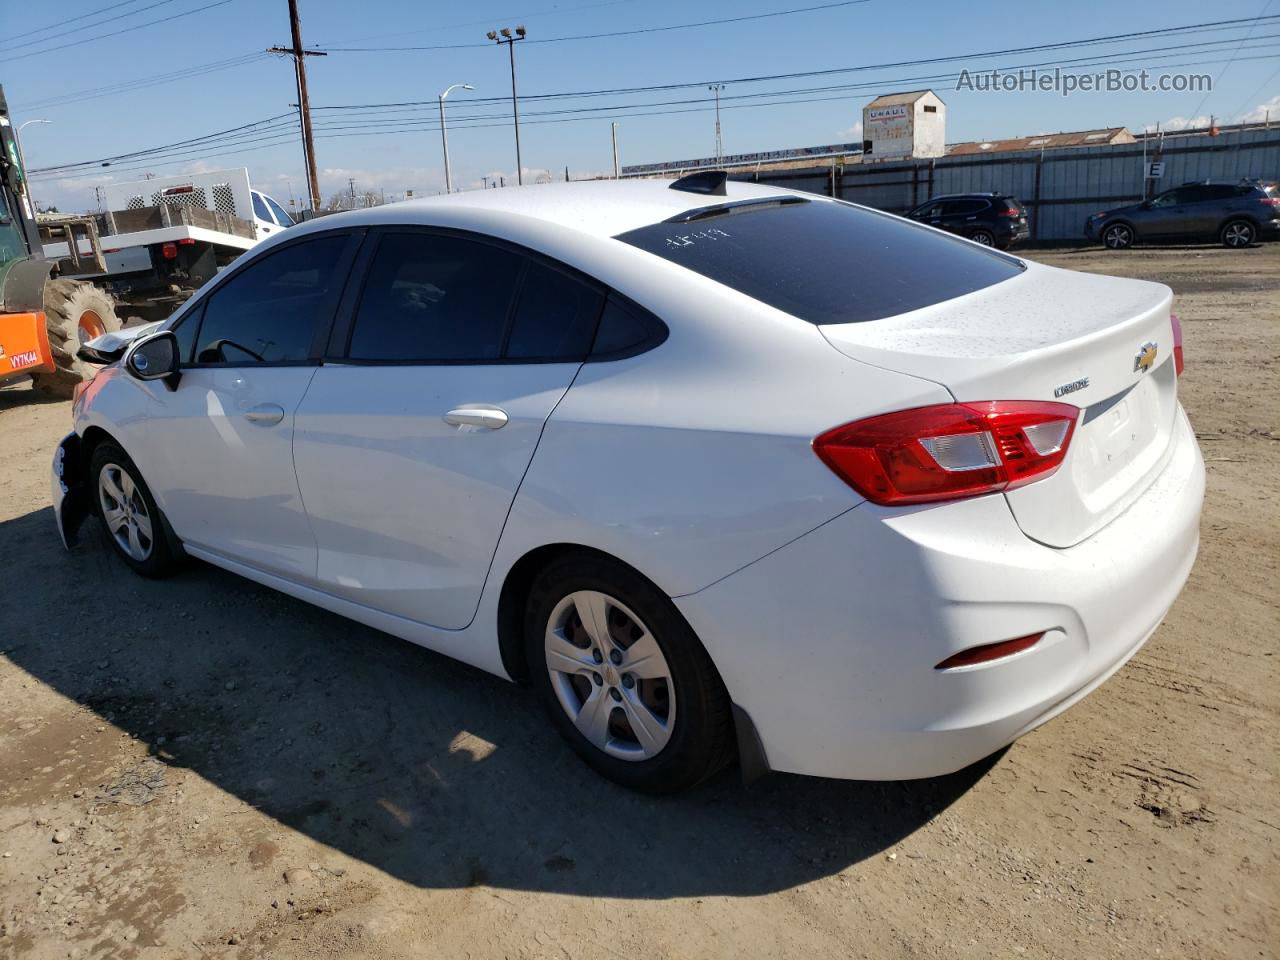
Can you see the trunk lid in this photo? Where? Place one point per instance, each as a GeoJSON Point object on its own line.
{"type": "Point", "coordinates": [1051, 334]}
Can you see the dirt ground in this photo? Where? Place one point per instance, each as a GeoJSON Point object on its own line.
{"type": "Point", "coordinates": [204, 768]}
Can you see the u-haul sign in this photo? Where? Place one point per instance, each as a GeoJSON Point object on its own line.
{"type": "Point", "coordinates": [881, 114]}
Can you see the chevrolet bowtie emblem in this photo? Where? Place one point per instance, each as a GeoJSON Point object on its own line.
{"type": "Point", "coordinates": [1146, 357]}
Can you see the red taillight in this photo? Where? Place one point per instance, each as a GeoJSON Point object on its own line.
{"type": "Point", "coordinates": [949, 451]}
{"type": "Point", "coordinates": [989, 651]}
{"type": "Point", "coordinates": [1011, 212]}
{"type": "Point", "coordinates": [1178, 363]}
{"type": "Point", "coordinates": [169, 251]}
{"type": "Point", "coordinates": [186, 241]}
{"type": "Point", "coordinates": [1270, 201]}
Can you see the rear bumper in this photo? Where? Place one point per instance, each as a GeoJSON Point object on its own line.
{"type": "Point", "coordinates": [829, 644]}
{"type": "Point", "coordinates": [70, 498]}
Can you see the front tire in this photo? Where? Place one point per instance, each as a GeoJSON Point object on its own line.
{"type": "Point", "coordinates": [132, 523]}
{"type": "Point", "coordinates": [1118, 236]}
{"type": "Point", "coordinates": [75, 312]}
{"type": "Point", "coordinates": [1238, 234]}
{"type": "Point", "coordinates": [623, 677]}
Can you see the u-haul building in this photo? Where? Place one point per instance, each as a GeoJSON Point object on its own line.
{"type": "Point", "coordinates": [901, 125]}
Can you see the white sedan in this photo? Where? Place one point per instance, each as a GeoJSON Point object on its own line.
{"type": "Point", "coordinates": [720, 470]}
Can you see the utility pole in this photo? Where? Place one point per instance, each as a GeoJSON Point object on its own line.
{"type": "Point", "coordinates": [716, 88]}
{"type": "Point", "coordinates": [304, 104]}
{"type": "Point", "coordinates": [351, 185]}
{"type": "Point", "coordinates": [616, 170]}
{"type": "Point", "coordinates": [504, 36]}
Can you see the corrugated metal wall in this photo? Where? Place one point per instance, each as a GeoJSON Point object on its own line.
{"type": "Point", "coordinates": [1060, 187]}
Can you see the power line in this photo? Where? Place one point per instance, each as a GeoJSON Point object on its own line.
{"type": "Point", "coordinates": [89, 26]}
{"type": "Point", "coordinates": [279, 133]}
{"type": "Point", "coordinates": [1188, 28]}
{"type": "Point", "coordinates": [618, 33]}
{"type": "Point", "coordinates": [116, 33]}
{"type": "Point", "coordinates": [63, 22]}
{"type": "Point", "coordinates": [140, 83]}
{"type": "Point", "coordinates": [1227, 65]}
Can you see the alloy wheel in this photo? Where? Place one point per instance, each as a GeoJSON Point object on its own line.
{"type": "Point", "coordinates": [1118, 237]}
{"type": "Point", "coordinates": [610, 675]}
{"type": "Point", "coordinates": [1237, 235]}
{"type": "Point", "coordinates": [984, 238]}
{"type": "Point", "coordinates": [124, 511]}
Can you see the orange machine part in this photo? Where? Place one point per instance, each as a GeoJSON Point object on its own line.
{"type": "Point", "coordinates": [24, 345]}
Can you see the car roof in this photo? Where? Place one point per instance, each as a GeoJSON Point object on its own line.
{"type": "Point", "coordinates": [603, 208]}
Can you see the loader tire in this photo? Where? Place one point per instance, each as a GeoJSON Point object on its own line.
{"type": "Point", "coordinates": [75, 312]}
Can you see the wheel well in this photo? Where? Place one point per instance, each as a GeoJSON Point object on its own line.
{"type": "Point", "coordinates": [89, 441]}
{"type": "Point", "coordinates": [514, 598]}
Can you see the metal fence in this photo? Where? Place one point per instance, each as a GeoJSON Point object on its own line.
{"type": "Point", "coordinates": [1060, 188]}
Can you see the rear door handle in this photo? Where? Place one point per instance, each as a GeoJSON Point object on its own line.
{"type": "Point", "coordinates": [479, 417]}
{"type": "Point", "coordinates": [265, 414]}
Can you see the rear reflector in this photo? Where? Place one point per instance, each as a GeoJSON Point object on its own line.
{"type": "Point", "coordinates": [169, 251]}
{"type": "Point", "coordinates": [989, 651]}
{"type": "Point", "coordinates": [949, 451]}
{"type": "Point", "coordinates": [1178, 363]}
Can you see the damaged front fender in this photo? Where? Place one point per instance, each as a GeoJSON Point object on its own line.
{"type": "Point", "coordinates": [70, 497]}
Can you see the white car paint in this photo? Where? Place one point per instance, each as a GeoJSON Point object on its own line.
{"type": "Point", "coordinates": [825, 614]}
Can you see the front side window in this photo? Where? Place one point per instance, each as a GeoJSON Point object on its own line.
{"type": "Point", "coordinates": [434, 298]}
{"type": "Point", "coordinates": [260, 207]}
{"type": "Point", "coordinates": [271, 309]}
{"type": "Point", "coordinates": [825, 261]}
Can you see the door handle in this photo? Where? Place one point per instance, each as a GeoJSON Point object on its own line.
{"type": "Point", "coordinates": [480, 417]}
{"type": "Point", "coordinates": [265, 413]}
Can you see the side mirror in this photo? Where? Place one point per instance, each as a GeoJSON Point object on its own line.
{"type": "Point", "coordinates": [155, 358]}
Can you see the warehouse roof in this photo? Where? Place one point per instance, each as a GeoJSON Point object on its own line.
{"type": "Point", "coordinates": [1045, 141]}
{"type": "Point", "coordinates": [891, 99]}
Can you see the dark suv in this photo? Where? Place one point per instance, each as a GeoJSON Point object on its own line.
{"type": "Point", "coordinates": [991, 219]}
{"type": "Point", "coordinates": [1234, 214]}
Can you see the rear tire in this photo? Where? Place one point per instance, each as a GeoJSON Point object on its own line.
{"type": "Point", "coordinates": [675, 695]}
{"type": "Point", "coordinates": [984, 237]}
{"type": "Point", "coordinates": [132, 523]}
{"type": "Point", "coordinates": [1238, 234]}
{"type": "Point", "coordinates": [75, 312]}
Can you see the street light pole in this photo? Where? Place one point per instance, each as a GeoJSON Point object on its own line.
{"type": "Point", "coordinates": [504, 36]}
{"type": "Point", "coordinates": [444, 133]}
{"type": "Point", "coordinates": [17, 136]}
{"type": "Point", "coordinates": [716, 88]}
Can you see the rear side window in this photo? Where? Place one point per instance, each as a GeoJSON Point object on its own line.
{"type": "Point", "coordinates": [434, 298]}
{"type": "Point", "coordinates": [260, 208]}
{"type": "Point", "coordinates": [626, 329]}
{"type": "Point", "coordinates": [827, 262]}
{"type": "Point", "coordinates": [270, 310]}
{"type": "Point", "coordinates": [555, 317]}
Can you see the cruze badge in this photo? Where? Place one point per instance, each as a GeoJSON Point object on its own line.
{"type": "Point", "coordinates": [1071, 387]}
{"type": "Point", "coordinates": [1146, 357]}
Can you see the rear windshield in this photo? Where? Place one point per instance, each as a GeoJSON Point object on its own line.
{"type": "Point", "coordinates": [825, 262]}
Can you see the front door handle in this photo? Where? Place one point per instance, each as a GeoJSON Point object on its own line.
{"type": "Point", "coordinates": [265, 414]}
{"type": "Point", "coordinates": [479, 417]}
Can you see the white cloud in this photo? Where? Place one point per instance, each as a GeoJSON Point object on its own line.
{"type": "Point", "coordinates": [1179, 123]}
{"type": "Point", "coordinates": [1262, 111]}
{"type": "Point", "coordinates": [852, 133]}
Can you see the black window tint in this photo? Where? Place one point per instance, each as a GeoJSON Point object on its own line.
{"type": "Point", "coordinates": [970, 207]}
{"type": "Point", "coordinates": [555, 318]}
{"type": "Point", "coordinates": [185, 331]}
{"type": "Point", "coordinates": [433, 297]}
{"type": "Point", "coordinates": [270, 310]}
{"type": "Point", "coordinates": [827, 262]}
{"type": "Point", "coordinates": [626, 329]}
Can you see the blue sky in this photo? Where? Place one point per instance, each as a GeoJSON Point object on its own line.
{"type": "Point", "coordinates": [871, 32]}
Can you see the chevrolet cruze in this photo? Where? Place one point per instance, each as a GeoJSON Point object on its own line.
{"type": "Point", "coordinates": [720, 470]}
